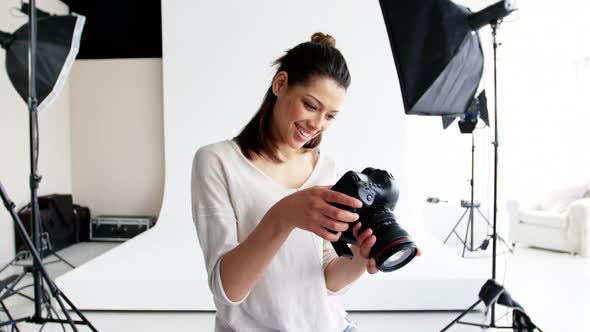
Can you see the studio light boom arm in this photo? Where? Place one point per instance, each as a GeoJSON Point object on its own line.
{"type": "Point", "coordinates": [490, 14]}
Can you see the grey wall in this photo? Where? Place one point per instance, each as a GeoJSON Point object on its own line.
{"type": "Point", "coordinates": [117, 136]}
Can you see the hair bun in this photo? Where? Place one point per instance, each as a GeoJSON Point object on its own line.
{"type": "Point", "coordinates": [321, 38]}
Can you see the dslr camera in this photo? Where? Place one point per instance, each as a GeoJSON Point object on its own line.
{"type": "Point", "coordinates": [379, 192]}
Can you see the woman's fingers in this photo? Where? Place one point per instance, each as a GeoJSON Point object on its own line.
{"type": "Point", "coordinates": [372, 266]}
{"type": "Point", "coordinates": [332, 196]}
{"type": "Point", "coordinates": [335, 225]}
{"type": "Point", "coordinates": [366, 245]}
{"type": "Point", "coordinates": [333, 212]}
{"type": "Point", "coordinates": [326, 234]}
{"type": "Point", "coordinates": [363, 236]}
{"type": "Point", "coordinates": [355, 230]}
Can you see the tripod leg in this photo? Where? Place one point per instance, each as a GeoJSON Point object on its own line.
{"type": "Point", "coordinates": [10, 319]}
{"type": "Point", "coordinates": [21, 294]}
{"type": "Point", "coordinates": [456, 225]}
{"type": "Point", "coordinates": [484, 217]}
{"type": "Point", "coordinates": [77, 312]}
{"type": "Point", "coordinates": [461, 316]}
{"type": "Point", "coordinates": [498, 236]}
{"type": "Point", "coordinates": [9, 263]}
{"type": "Point", "coordinates": [510, 248]}
{"type": "Point", "coordinates": [51, 252]}
{"type": "Point", "coordinates": [51, 311]}
{"type": "Point", "coordinates": [10, 288]}
{"type": "Point", "coordinates": [469, 224]}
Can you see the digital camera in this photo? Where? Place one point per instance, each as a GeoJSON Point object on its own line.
{"type": "Point", "coordinates": [379, 192]}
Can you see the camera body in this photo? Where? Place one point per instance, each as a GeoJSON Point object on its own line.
{"type": "Point", "coordinates": [379, 193]}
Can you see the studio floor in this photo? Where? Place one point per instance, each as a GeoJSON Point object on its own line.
{"type": "Point", "coordinates": [554, 288]}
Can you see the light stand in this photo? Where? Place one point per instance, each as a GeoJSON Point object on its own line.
{"type": "Point", "coordinates": [496, 144]}
{"type": "Point", "coordinates": [467, 241]}
{"type": "Point", "coordinates": [34, 179]}
{"type": "Point", "coordinates": [485, 294]}
{"type": "Point", "coordinates": [470, 207]}
{"type": "Point", "coordinates": [492, 323]}
{"type": "Point", "coordinates": [440, 63]}
{"type": "Point", "coordinates": [34, 245]}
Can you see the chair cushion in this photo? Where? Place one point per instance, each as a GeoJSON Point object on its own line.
{"type": "Point", "coordinates": [542, 218]}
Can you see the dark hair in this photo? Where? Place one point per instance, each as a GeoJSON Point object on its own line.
{"type": "Point", "coordinates": [316, 58]}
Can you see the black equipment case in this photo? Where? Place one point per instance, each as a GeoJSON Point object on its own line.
{"type": "Point", "coordinates": [119, 228]}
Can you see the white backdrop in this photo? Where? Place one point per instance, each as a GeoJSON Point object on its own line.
{"type": "Point", "coordinates": [216, 68]}
{"type": "Point", "coordinates": [216, 61]}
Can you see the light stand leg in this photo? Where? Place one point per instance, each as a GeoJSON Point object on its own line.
{"type": "Point", "coordinates": [9, 263]}
{"type": "Point", "coordinates": [10, 289]}
{"type": "Point", "coordinates": [484, 217]}
{"type": "Point", "coordinates": [460, 316]}
{"type": "Point", "coordinates": [465, 241]}
{"type": "Point", "coordinates": [499, 237]}
{"type": "Point", "coordinates": [11, 321]}
{"type": "Point", "coordinates": [454, 230]}
{"type": "Point", "coordinates": [469, 225]}
{"type": "Point", "coordinates": [53, 253]}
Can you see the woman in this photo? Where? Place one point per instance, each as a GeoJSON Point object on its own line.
{"type": "Point", "coordinates": [263, 209]}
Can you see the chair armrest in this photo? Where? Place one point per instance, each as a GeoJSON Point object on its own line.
{"type": "Point", "coordinates": [579, 217]}
{"type": "Point", "coordinates": [513, 209]}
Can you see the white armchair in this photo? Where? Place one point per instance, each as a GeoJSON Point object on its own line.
{"type": "Point", "coordinates": [560, 223]}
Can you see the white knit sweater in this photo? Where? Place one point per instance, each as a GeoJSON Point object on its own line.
{"type": "Point", "coordinates": [229, 198]}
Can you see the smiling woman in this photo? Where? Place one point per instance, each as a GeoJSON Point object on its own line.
{"type": "Point", "coordinates": [304, 111]}
{"type": "Point", "coordinates": [313, 77]}
{"type": "Point", "coordinates": [263, 209]}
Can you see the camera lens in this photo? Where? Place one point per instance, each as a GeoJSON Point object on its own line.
{"type": "Point", "coordinates": [394, 257]}
{"type": "Point", "coordinates": [393, 248]}
{"type": "Point", "coordinates": [397, 258]}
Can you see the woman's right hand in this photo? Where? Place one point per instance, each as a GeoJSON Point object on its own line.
{"type": "Point", "coordinates": [312, 210]}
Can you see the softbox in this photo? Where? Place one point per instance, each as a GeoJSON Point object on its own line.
{"type": "Point", "coordinates": [58, 41]}
{"type": "Point", "coordinates": [438, 56]}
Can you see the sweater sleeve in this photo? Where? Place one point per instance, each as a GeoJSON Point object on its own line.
{"type": "Point", "coordinates": [214, 217]}
{"type": "Point", "coordinates": [328, 253]}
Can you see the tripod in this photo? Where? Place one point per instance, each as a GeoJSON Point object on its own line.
{"type": "Point", "coordinates": [9, 285]}
{"type": "Point", "coordinates": [28, 267]}
{"type": "Point", "coordinates": [34, 245]}
{"type": "Point", "coordinates": [39, 269]}
{"type": "Point", "coordinates": [46, 247]}
{"type": "Point", "coordinates": [470, 208]}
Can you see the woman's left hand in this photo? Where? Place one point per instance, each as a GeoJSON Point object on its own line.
{"type": "Point", "coordinates": [363, 245]}
{"type": "Point", "coordinates": [362, 248]}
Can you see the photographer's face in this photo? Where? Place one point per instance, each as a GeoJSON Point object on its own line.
{"type": "Point", "coordinates": [304, 111]}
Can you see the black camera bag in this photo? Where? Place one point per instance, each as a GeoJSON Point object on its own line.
{"type": "Point", "coordinates": [64, 222]}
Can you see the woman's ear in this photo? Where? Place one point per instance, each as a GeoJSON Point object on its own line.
{"type": "Point", "coordinates": [280, 82]}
